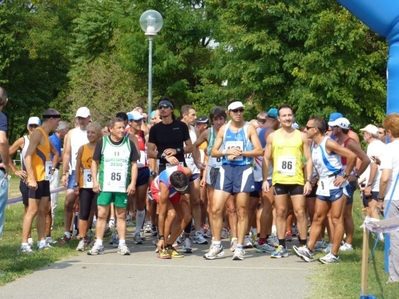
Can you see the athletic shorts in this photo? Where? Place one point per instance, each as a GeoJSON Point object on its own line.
{"type": "Point", "coordinates": [43, 190]}
{"type": "Point", "coordinates": [23, 187]}
{"type": "Point", "coordinates": [335, 194]}
{"type": "Point", "coordinates": [71, 180]}
{"type": "Point", "coordinates": [349, 189]}
{"type": "Point", "coordinates": [119, 199]}
{"type": "Point", "coordinates": [235, 179]}
{"type": "Point", "coordinates": [294, 189]}
{"type": "Point", "coordinates": [87, 198]}
{"type": "Point", "coordinates": [211, 175]}
{"type": "Point", "coordinates": [313, 192]}
{"type": "Point", "coordinates": [193, 177]}
{"type": "Point", "coordinates": [143, 176]}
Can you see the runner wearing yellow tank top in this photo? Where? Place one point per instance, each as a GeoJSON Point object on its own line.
{"type": "Point", "coordinates": [39, 170]}
{"type": "Point", "coordinates": [285, 148]}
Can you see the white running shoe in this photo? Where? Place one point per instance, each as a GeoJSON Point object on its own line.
{"type": "Point", "coordinates": [96, 249]}
{"type": "Point", "coordinates": [137, 239]}
{"type": "Point", "coordinates": [248, 242]}
{"type": "Point", "coordinates": [233, 244]}
{"type": "Point", "coordinates": [238, 254]}
{"type": "Point", "coordinates": [225, 233]}
{"type": "Point", "coordinates": [51, 241]}
{"type": "Point", "coordinates": [30, 242]}
{"type": "Point", "coordinates": [214, 252]}
{"type": "Point", "coordinates": [346, 247]}
{"type": "Point", "coordinates": [328, 248]}
{"type": "Point", "coordinates": [81, 246]}
{"type": "Point", "coordinates": [265, 248]}
{"type": "Point", "coordinates": [329, 259]}
{"type": "Point", "coordinates": [25, 249]}
{"type": "Point", "coordinates": [123, 250]}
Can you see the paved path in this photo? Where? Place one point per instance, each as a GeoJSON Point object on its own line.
{"type": "Point", "coordinates": [142, 274]}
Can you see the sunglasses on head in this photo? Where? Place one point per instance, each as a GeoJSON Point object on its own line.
{"type": "Point", "coordinates": [238, 110]}
{"type": "Point", "coordinates": [163, 107]}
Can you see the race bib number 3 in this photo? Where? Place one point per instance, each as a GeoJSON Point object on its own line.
{"type": "Point", "coordinates": [286, 165]}
{"type": "Point", "coordinates": [47, 167]}
{"type": "Point", "coordinates": [87, 179]}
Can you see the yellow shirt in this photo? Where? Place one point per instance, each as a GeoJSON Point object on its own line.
{"type": "Point", "coordinates": [85, 165]}
{"type": "Point", "coordinates": [287, 159]}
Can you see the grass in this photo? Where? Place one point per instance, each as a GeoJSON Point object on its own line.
{"type": "Point", "coordinates": [16, 265]}
{"type": "Point", "coordinates": [343, 280]}
{"type": "Point", "coordinates": [336, 281]}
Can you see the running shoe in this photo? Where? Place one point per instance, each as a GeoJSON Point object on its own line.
{"type": "Point", "coordinates": [248, 242]}
{"type": "Point", "coordinates": [187, 245]}
{"type": "Point", "coordinates": [225, 233]}
{"type": "Point", "coordinates": [147, 227]}
{"type": "Point", "coordinates": [288, 235]}
{"type": "Point", "coordinates": [199, 239]}
{"type": "Point", "coordinates": [279, 252]}
{"type": "Point", "coordinates": [214, 252]}
{"type": "Point", "coordinates": [130, 223]}
{"type": "Point", "coordinates": [163, 254]}
{"type": "Point", "coordinates": [123, 250]}
{"type": "Point", "coordinates": [30, 242]}
{"type": "Point", "coordinates": [346, 247]}
{"type": "Point", "coordinates": [329, 259]}
{"type": "Point", "coordinates": [111, 223]}
{"type": "Point", "coordinates": [304, 253]}
{"type": "Point", "coordinates": [173, 253]}
{"type": "Point", "coordinates": [265, 248]}
{"type": "Point", "coordinates": [328, 248]}
{"type": "Point", "coordinates": [320, 245]}
{"type": "Point", "coordinates": [238, 254]}
{"type": "Point", "coordinates": [142, 235]}
{"type": "Point", "coordinates": [43, 247]}
{"type": "Point", "coordinates": [273, 240]}
{"type": "Point", "coordinates": [65, 240]}
{"type": "Point", "coordinates": [233, 244]}
{"type": "Point", "coordinates": [25, 249]}
{"type": "Point", "coordinates": [137, 239]}
{"type": "Point", "coordinates": [154, 231]}
{"type": "Point", "coordinates": [81, 246]}
{"type": "Point", "coordinates": [96, 249]}
{"type": "Point", "coordinates": [51, 241]}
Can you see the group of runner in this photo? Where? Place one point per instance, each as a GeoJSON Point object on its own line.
{"type": "Point", "coordinates": [237, 176]}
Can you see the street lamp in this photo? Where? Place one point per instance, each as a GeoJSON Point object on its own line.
{"type": "Point", "coordinates": [151, 22]}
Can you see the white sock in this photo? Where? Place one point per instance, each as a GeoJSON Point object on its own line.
{"type": "Point", "coordinates": [140, 218]}
{"type": "Point", "coordinates": [99, 242]}
{"type": "Point", "coordinates": [122, 242]}
{"type": "Point", "coordinates": [67, 234]}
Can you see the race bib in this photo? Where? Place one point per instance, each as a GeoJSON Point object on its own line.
{"type": "Point", "coordinates": [216, 162]}
{"type": "Point", "coordinates": [143, 160]}
{"type": "Point", "coordinates": [323, 188]}
{"type": "Point", "coordinates": [87, 179]}
{"type": "Point", "coordinates": [115, 180]}
{"type": "Point", "coordinates": [47, 168]}
{"type": "Point", "coordinates": [286, 165]}
{"type": "Point", "coordinates": [235, 144]}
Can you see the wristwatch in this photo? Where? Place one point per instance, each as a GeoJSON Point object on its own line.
{"type": "Point", "coordinates": [381, 198]}
{"type": "Point", "coordinates": [76, 184]}
{"type": "Point", "coordinates": [160, 237]}
{"type": "Point", "coordinates": [153, 173]}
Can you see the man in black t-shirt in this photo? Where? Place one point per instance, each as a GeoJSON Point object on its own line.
{"type": "Point", "coordinates": [167, 138]}
{"type": "Point", "coordinates": [4, 159]}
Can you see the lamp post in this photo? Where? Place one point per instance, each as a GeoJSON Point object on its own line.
{"type": "Point", "coordinates": [151, 22]}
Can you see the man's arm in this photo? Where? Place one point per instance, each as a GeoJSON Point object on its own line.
{"type": "Point", "coordinates": [4, 151]}
{"type": "Point", "coordinates": [66, 158]}
{"type": "Point", "coordinates": [217, 144]}
{"type": "Point", "coordinates": [254, 138]}
{"type": "Point", "coordinates": [355, 148]}
{"type": "Point", "coordinates": [18, 144]}
{"type": "Point", "coordinates": [152, 151]}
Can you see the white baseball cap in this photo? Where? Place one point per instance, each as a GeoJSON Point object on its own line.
{"type": "Point", "coordinates": [235, 105]}
{"type": "Point", "coordinates": [370, 129]}
{"type": "Point", "coordinates": [83, 112]}
{"type": "Point", "coordinates": [341, 122]}
{"type": "Point", "coordinates": [34, 120]}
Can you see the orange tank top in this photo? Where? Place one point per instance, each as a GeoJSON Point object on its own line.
{"type": "Point", "coordinates": [85, 167]}
{"type": "Point", "coordinates": [41, 159]}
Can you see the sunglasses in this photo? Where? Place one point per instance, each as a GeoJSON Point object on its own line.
{"type": "Point", "coordinates": [307, 127]}
{"type": "Point", "coordinates": [261, 120]}
{"type": "Point", "coordinates": [163, 107]}
{"type": "Point", "coordinates": [33, 126]}
{"type": "Point", "coordinates": [237, 110]}
{"type": "Point", "coordinates": [136, 121]}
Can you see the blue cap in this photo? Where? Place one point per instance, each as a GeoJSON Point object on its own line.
{"type": "Point", "coordinates": [273, 113]}
{"type": "Point", "coordinates": [152, 114]}
{"type": "Point", "coordinates": [334, 116]}
{"type": "Point", "coordinates": [134, 116]}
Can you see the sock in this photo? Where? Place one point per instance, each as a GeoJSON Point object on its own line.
{"type": "Point", "coordinates": [217, 243]}
{"type": "Point", "coordinates": [99, 242]}
{"type": "Point", "coordinates": [122, 242]}
{"type": "Point", "coordinates": [239, 246]}
{"type": "Point", "coordinates": [302, 241]}
{"type": "Point", "coordinates": [41, 243]}
{"type": "Point", "coordinates": [187, 229]}
{"type": "Point", "coordinates": [281, 242]}
{"type": "Point", "coordinates": [67, 234]}
{"type": "Point", "coordinates": [140, 217]}
{"type": "Point", "coordinates": [261, 241]}
{"type": "Point", "coordinates": [233, 239]}
{"type": "Point", "coordinates": [24, 244]}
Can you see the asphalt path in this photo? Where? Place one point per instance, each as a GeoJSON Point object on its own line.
{"type": "Point", "coordinates": [111, 275]}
